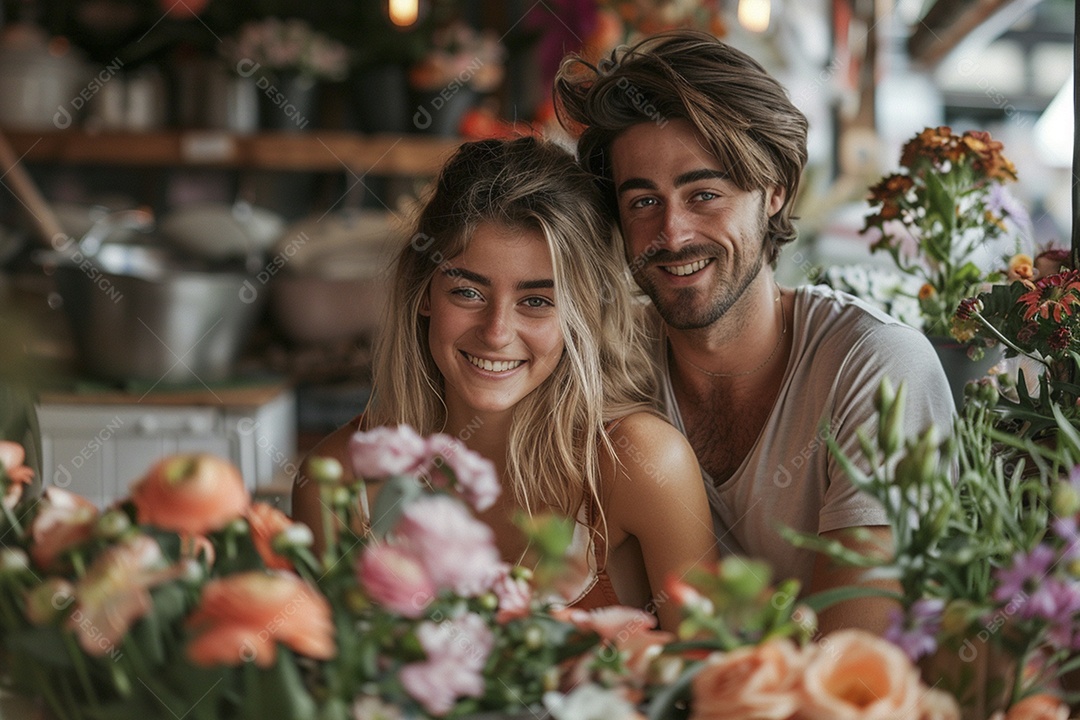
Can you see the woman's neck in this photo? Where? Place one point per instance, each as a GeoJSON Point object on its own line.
{"type": "Point", "coordinates": [486, 434]}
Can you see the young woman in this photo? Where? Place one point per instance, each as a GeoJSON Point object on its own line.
{"type": "Point", "coordinates": [511, 327]}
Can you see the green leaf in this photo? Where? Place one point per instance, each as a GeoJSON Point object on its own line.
{"type": "Point", "coordinates": [827, 598]}
{"type": "Point", "coordinates": [662, 706]}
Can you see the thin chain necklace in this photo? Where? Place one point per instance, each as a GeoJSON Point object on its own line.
{"type": "Point", "coordinates": [779, 342]}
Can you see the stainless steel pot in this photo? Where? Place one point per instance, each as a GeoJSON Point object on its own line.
{"type": "Point", "coordinates": [141, 312]}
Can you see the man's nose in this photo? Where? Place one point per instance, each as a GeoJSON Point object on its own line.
{"type": "Point", "coordinates": [676, 229]}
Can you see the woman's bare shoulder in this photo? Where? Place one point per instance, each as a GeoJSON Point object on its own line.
{"type": "Point", "coordinates": [649, 448]}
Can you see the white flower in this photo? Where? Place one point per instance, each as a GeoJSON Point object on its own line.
{"type": "Point", "coordinates": [589, 702]}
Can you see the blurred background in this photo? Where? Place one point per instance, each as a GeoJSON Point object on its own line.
{"type": "Point", "coordinates": [200, 197]}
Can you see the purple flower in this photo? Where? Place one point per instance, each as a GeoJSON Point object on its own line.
{"type": "Point", "coordinates": [1027, 569]}
{"type": "Point", "coordinates": [916, 632]}
{"type": "Point", "coordinates": [1002, 203]}
{"type": "Point", "coordinates": [1067, 529]}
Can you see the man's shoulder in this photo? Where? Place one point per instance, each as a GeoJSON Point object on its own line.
{"type": "Point", "coordinates": [833, 317]}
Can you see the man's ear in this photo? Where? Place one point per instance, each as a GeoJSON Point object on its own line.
{"type": "Point", "coordinates": [774, 198]}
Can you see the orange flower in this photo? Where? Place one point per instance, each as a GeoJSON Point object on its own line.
{"type": "Point", "coordinates": [1038, 707]}
{"type": "Point", "coordinates": [12, 456]}
{"type": "Point", "coordinates": [242, 617]}
{"type": "Point", "coordinates": [1052, 295]}
{"type": "Point", "coordinates": [266, 522]}
{"type": "Point", "coordinates": [926, 292]}
{"type": "Point", "coordinates": [759, 682]}
{"type": "Point", "coordinates": [63, 521]}
{"type": "Point", "coordinates": [190, 494]}
{"type": "Point", "coordinates": [857, 676]}
{"type": "Point", "coordinates": [1021, 267]}
{"type": "Point", "coordinates": [115, 592]}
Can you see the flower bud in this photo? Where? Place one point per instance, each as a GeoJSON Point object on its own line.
{"type": "Point", "coordinates": [519, 572]}
{"type": "Point", "coordinates": [47, 602]}
{"type": "Point", "coordinates": [325, 470]}
{"type": "Point", "coordinates": [13, 560]}
{"type": "Point", "coordinates": [550, 679]}
{"type": "Point", "coordinates": [1065, 500]}
{"type": "Point", "coordinates": [891, 424]}
{"type": "Point", "coordinates": [489, 601]}
{"type": "Point", "coordinates": [534, 637]}
{"type": "Point", "coordinates": [294, 536]}
{"type": "Point", "coordinates": [112, 524]}
{"type": "Point", "coordinates": [885, 395]}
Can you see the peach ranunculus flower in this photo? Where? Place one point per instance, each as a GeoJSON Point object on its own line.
{"type": "Point", "coordinates": [63, 521]}
{"type": "Point", "coordinates": [190, 494]}
{"type": "Point", "coordinates": [855, 675]}
{"type": "Point", "coordinates": [759, 682]}
{"type": "Point", "coordinates": [12, 456]}
{"type": "Point", "coordinates": [939, 705]}
{"type": "Point", "coordinates": [266, 521]}
{"type": "Point", "coordinates": [1036, 707]}
{"type": "Point", "coordinates": [115, 592]}
{"type": "Point", "coordinates": [242, 617]}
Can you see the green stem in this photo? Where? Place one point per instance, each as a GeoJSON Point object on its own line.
{"type": "Point", "coordinates": [12, 520]}
{"type": "Point", "coordinates": [1008, 343]}
{"type": "Point", "coordinates": [329, 535]}
{"type": "Point", "coordinates": [78, 659]}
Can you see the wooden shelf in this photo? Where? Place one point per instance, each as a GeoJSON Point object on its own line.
{"type": "Point", "coordinates": [315, 151]}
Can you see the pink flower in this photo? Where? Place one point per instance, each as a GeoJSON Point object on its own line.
{"type": "Point", "coordinates": [63, 521]}
{"type": "Point", "coordinates": [759, 682]}
{"type": "Point", "coordinates": [474, 475]}
{"type": "Point", "coordinates": [514, 594]}
{"type": "Point", "coordinates": [396, 579]}
{"type": "Point", "coordinates": [115, 592]}
{"type": "Point", "coordinates": [457, 651]}
{"type": "Point", "coordinates": [855, 675]}
{"type": "Point", "coordinates": [457, 550]}
{"type": "Point", "coordinates": [610, 623]}
{"type": "Point", "coordinates": [385, 451]}
{"type": "Point", "coordinates": [12, 456]}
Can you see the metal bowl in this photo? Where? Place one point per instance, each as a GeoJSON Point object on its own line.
{"type": "Point", "coordinates": [137, 316]}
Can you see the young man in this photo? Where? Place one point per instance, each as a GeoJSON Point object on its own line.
{"type": "Point", "coordinates": [700, 153]}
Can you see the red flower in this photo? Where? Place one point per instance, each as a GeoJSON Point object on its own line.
{"type": "Point", "coordinates": [1054, 294]}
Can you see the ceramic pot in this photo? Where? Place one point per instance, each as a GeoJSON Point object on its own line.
{"type": "Point", "coordinates": [959, 368]}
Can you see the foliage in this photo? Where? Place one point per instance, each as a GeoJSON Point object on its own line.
{"type": "Point", "coordinates": [944, 207]}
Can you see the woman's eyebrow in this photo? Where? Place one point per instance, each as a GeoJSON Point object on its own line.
{"type": "Point", "coordinates": [462, 273]}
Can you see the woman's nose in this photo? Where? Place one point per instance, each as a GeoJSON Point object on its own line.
{"type": "Point", "coordinates": [496, 329]}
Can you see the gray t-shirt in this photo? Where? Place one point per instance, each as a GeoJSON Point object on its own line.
{"type": "Point", "coordinates": [841, 349]}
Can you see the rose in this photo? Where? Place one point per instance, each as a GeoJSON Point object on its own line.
{"type": "Point", "coordinates": [63, 521]}
{"type": "Point", "coordinates": [396, 579]}
{"type": "Point", "coordinates": [242, 617]}
{"type": "Point", "coordinates": [190, 494]}
{"type": "Point", "coordinates": [758, 682]}
{"type": "Point", "coordinates": [386, 452]}
{"type": "Point", "coordinates": [457, 550]}
{"type": "Point", "coordinates": [855, 675]}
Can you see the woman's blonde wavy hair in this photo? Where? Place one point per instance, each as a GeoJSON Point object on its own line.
{"type": "Point", "coordinates": [552, 461]}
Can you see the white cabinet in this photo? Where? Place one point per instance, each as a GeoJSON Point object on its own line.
{"type": "Point", "coordinates": [97, 447]}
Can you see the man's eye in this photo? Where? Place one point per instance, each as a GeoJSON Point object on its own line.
{"type": "Point", "coordinates": [643, 202]}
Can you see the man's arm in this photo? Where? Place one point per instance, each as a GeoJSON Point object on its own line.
{"type": "Point", "coordinates": [870, 613]}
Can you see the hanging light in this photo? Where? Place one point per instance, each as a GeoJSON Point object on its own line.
{"type": "Point", "coordinates": [754, 15]}
{"type": "Point", "coordinates": [403, 13]}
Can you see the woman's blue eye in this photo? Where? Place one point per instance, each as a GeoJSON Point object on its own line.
{"type": "Point", "coordinates": [538, 302]}
{"type": "Point", "coordinates": [467, 293]}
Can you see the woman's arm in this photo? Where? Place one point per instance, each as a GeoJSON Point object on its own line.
{"type": "Point", "coordinates": [306, 503]}
{"type": "Point", "coordinates": [655, 493]}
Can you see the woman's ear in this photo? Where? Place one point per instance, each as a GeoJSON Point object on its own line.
{"type": "Point", "coordinates": [425, 303]}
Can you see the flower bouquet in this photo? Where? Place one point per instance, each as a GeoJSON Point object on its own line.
{"type": "Point", "coordinates": [459, 56]}
{"type": "Point", "coordinates": [190, 598]}
{"type": "Point", "coordinates": [984, 558]}
{"type": "Point", "coordinates": [1037, 321]}
{"type": "Point", "coordinates": [940, 216]}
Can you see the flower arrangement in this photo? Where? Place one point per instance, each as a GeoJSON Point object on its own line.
{"type": "Point", "coordinates": [984, 558]}
{"type": "Point", "coordinates": [460, 56]}
{"type": "Point", "coordinates": [1036, 321]}
{"type": "Point", "coordinates": [287, 47]}
{"type": "Point", "coordinates": [940, 214]}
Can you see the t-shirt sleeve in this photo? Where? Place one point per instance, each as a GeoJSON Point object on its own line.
{"type": "Point", "coordinates": [904, 355]}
